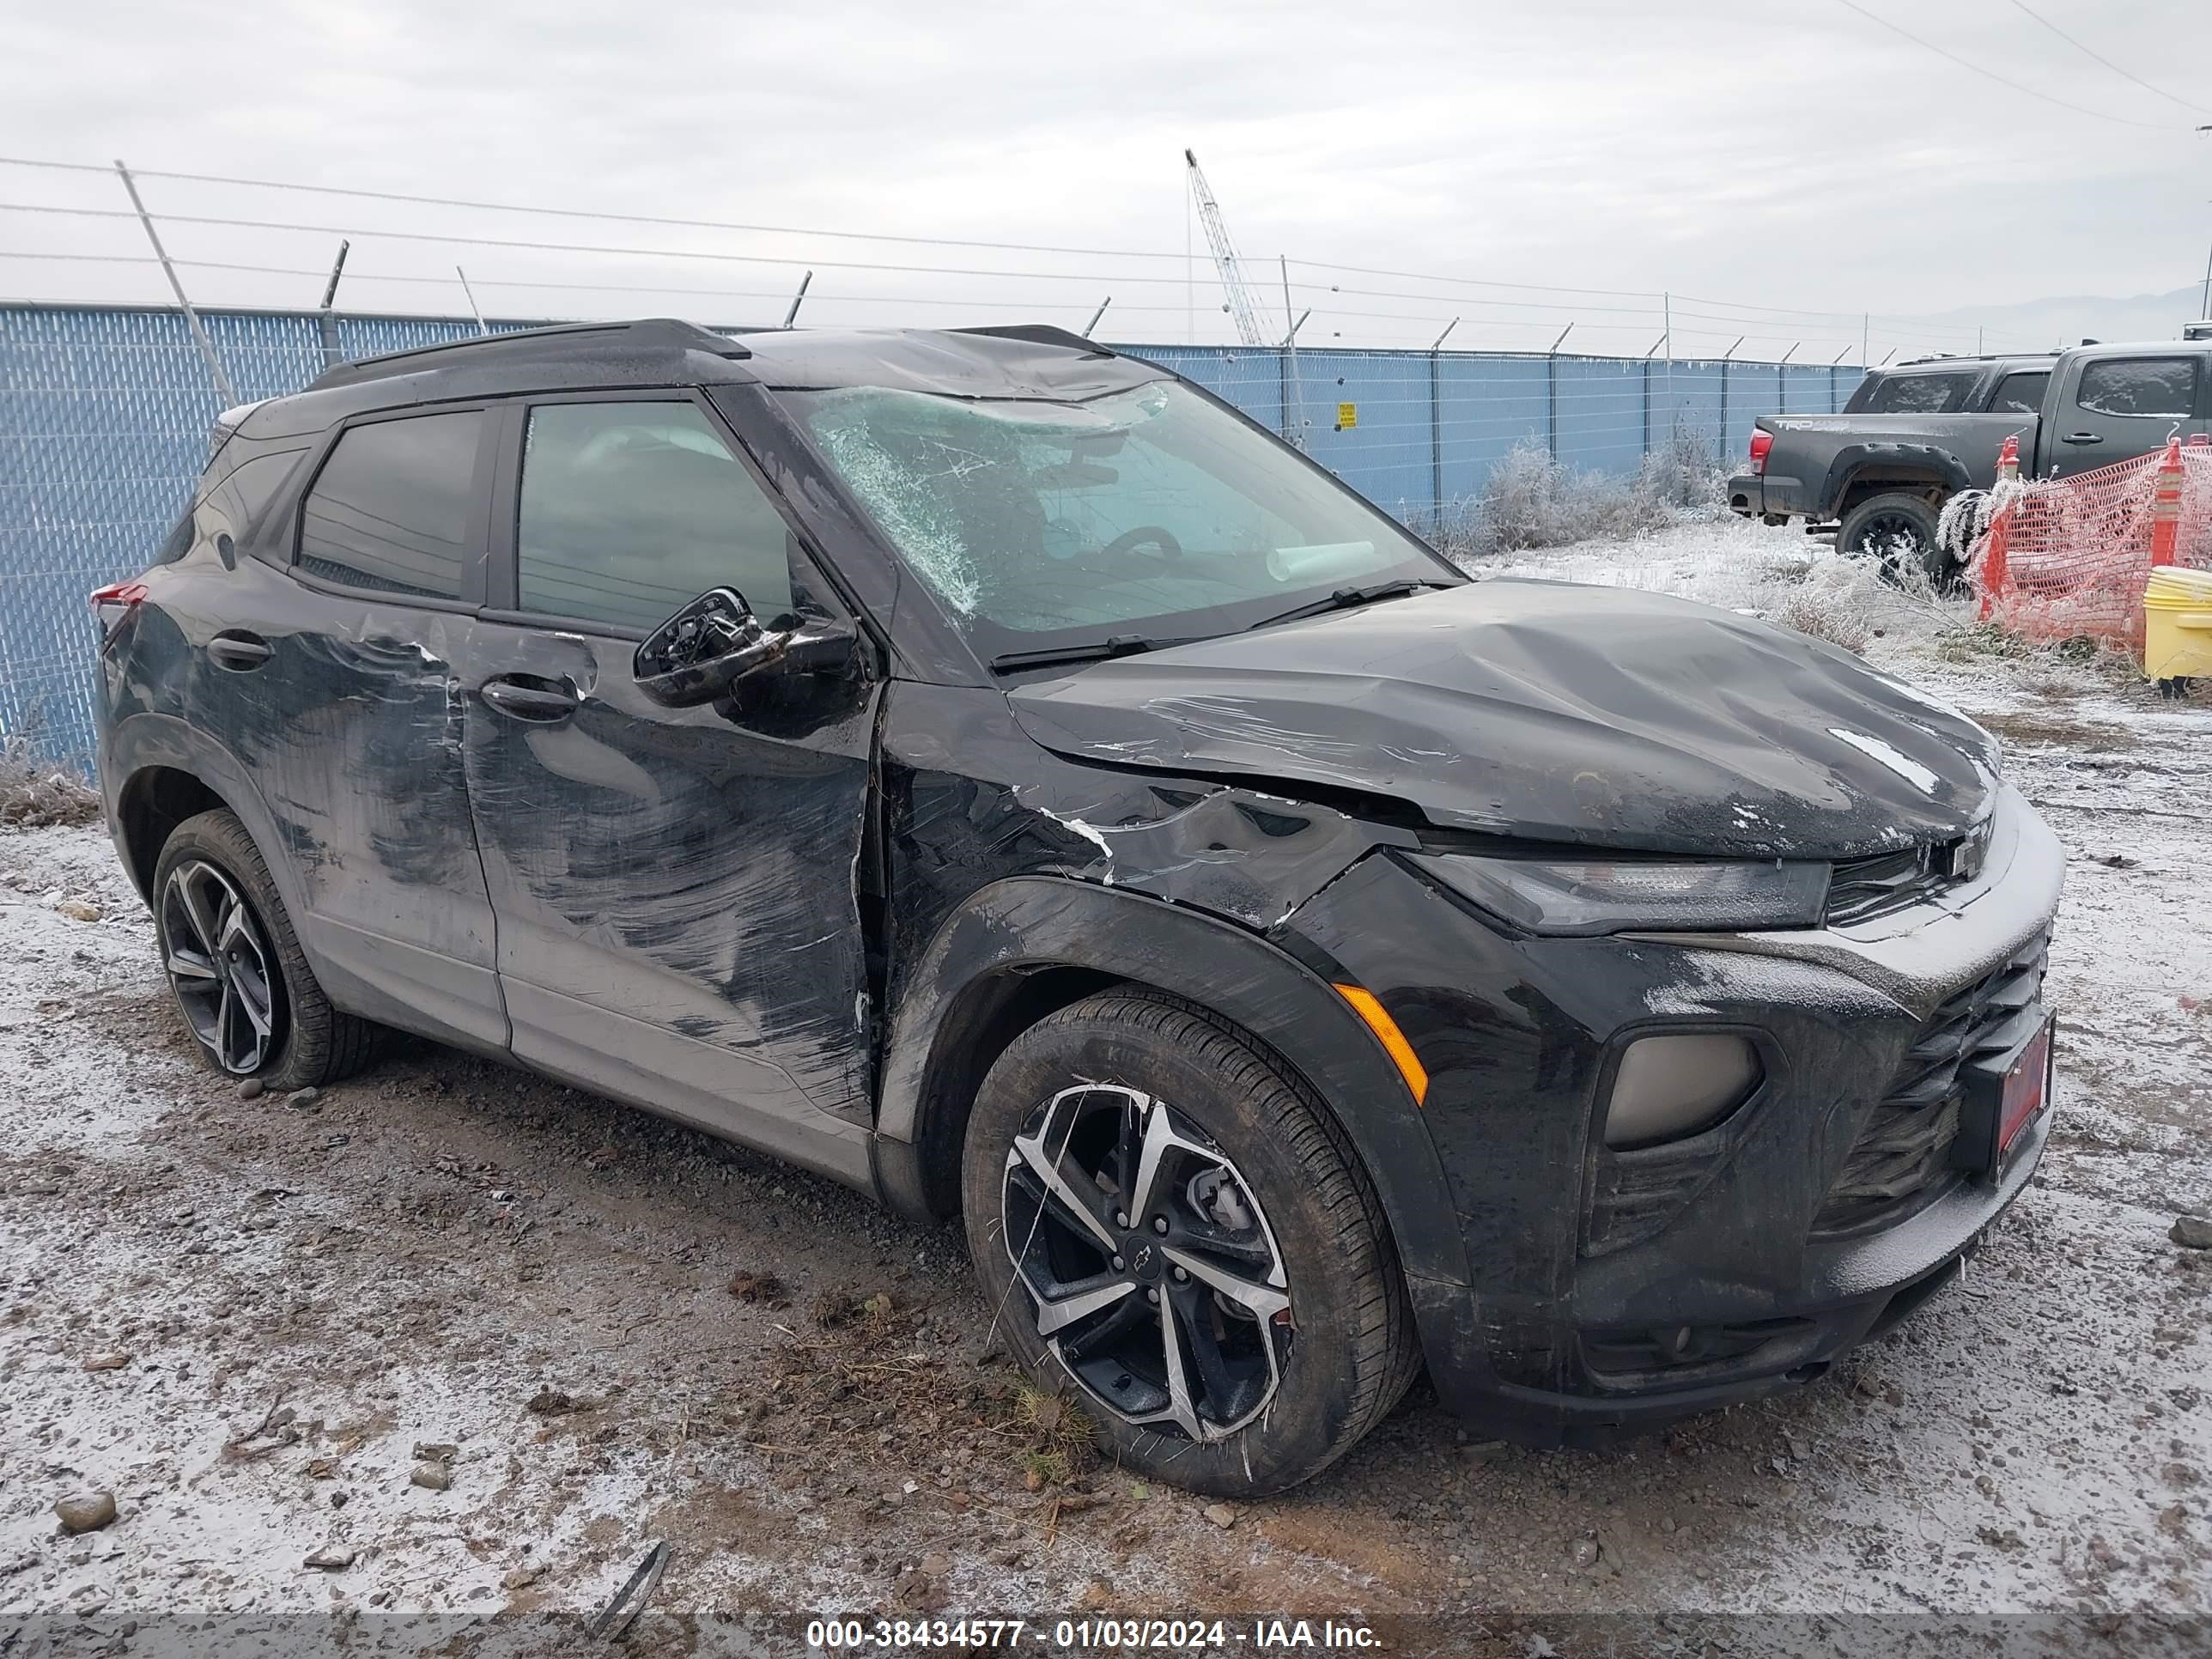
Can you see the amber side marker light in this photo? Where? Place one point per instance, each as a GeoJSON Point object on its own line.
{"type": "Point", "coordinates": [1392, 1039]}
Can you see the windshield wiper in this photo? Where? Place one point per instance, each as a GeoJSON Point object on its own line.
{"type": "Point", "coordinates": [1121, 644]}
{"type": "Point", "coordinates": [1345, 598]}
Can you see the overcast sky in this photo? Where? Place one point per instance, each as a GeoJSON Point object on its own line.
{"type": "Point", "coordinates": [1788, 154]}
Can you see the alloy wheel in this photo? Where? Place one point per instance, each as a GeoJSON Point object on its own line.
{"type": "Point", "coordinates": [219, 967]}
{"type": "Point", "coordinates": [1895, 539]}
{"type": "Point", "coordinates": [1155, 1277]}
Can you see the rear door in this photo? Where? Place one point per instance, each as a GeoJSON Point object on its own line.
{"type": "Point", "coordinates": [330, 664]}
{"type": "Point", "coordinates": [676, 889]}
{"type": "Point", "coordinates": [2122, 406]}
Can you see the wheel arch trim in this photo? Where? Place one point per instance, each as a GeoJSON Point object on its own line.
{"type": "Point", "coordinates": [1028, 924]}
{"type": "Point", "coordinates": [149, 742]}
{"type": "Point", "coordinates": [1931, 462]}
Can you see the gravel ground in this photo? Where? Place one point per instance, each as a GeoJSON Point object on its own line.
{"type": "Point", "coordinates": [471, 1341]}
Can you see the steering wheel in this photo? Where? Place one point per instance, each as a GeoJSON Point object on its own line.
{"type": "Point", "coordinates": [1129, 540]}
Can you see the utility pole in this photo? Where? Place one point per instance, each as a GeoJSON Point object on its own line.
{"type": "Point", "coordinates": [192, 317]}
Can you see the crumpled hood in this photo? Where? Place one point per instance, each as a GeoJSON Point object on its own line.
{"type": "Point", "coordinates": [1552, 710]}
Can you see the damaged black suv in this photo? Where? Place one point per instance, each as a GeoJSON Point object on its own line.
{"type": "Point", "coordinates": [988, 770]}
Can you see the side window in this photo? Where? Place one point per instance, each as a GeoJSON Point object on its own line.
{"type": "Point", "coordinates": [245, 493]}
{"type": "Point", "coordinates": [2163, 388]}
{"type": "Point", "coordinates": [1921, 394]}
{"type": "Point", "coordinates": [390, 509]}
{"type": "Point", "coordinates": [630, 510]}
{"type": "Point", "coordinates": [2020, 394]}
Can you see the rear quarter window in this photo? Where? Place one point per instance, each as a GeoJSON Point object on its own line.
{"type": "Point", "coordinates": [247, 490]}
{"type": "Point", "coordinates": [231, 494]}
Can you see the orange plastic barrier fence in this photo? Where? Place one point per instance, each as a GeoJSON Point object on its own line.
{"type": "Point", "coordinates": [2063, 558]}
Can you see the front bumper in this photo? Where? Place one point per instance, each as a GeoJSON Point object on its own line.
{"type": "Point", "coordinates": [1858, 1294]}
{"type": "Point", "coordinates": [1728, 1275]}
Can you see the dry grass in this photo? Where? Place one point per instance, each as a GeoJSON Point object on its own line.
{"type": "Point", "coordinates": [35, 793]}
{"type": "Point", "coordinates": [1060, 1437]}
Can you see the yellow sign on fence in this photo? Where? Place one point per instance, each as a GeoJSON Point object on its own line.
{"type": "Point", "coordinates": [1347, 416]}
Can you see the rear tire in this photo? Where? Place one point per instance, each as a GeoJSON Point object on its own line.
{"type": "Point", "coordinates": [1901, 532]}
{"type": "Point", "coordinates": [249, 999]}
{"type": "Point", "coordinates": [1285, 1338]}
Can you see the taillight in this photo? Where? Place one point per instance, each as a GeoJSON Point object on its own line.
{"type": "Point", "coordinates": [112, 605]}
{"type": "Point", "coordinates": [1760, 443]}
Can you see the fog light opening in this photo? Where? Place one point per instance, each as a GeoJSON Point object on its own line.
{"type": "Point", "coordinates": [1679, 1084]}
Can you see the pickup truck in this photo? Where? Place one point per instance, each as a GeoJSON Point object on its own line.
{"type": "Point", "coordinates": [1877, 476]}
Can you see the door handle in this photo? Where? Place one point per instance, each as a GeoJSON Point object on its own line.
{"type": "Point", "coordinates": [526, 697]}
{"type": "Point", "coordinates": [237, 650]}
{"type": "Point", "coordinates": [2083, 438]}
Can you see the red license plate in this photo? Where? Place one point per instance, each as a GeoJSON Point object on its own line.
{"type": "Point", "coordinates": [2026, 1089]}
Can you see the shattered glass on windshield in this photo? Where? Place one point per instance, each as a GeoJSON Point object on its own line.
{"type": "Point", "coordinates": [1034, 517]}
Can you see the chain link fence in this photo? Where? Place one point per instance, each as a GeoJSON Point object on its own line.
{"type": "Point", "coordinates": [105, 413]}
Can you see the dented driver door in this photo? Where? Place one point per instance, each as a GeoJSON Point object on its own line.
{"type": "Point", "coordinates": [675, 889]}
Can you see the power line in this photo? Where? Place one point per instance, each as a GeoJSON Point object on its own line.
{"type": "Point", "coordinates": [587, 213]}
{"type": "Point", "coordinates": [660, 253]}
{"type": "Point", "coordinates": [2125, 74]}
{"type": "Point", "coordinates": [451, 240]}
{"type": "Point", "coordinates": [1852, 318]}
{"type": "Point", "coordinates": [1477, 281]}
{"type": "Point", "coordinates": [1991, 74]}
{"type": "Point", "coordinates": [570, 213]}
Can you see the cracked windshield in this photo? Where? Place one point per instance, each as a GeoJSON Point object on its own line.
{"type": "Point", "coordinates": [1058, 522]}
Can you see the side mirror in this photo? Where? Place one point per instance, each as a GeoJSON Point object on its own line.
{"type": "Point", "coordinates": [712, 643]}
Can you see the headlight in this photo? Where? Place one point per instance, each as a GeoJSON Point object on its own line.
{"type": "Point", "coordinates": [1613, 895]}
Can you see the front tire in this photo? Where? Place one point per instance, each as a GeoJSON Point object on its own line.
{"type": "Point", "coordinates": [248, 998]}
{"type": "Point", "coordinates": [1173, 1234]}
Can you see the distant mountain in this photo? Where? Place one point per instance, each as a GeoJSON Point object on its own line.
{"type": "Point", "coordinates": [2067, 321]}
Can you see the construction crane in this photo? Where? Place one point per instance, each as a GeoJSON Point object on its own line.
{"type": "Point", "coordinates": [1241, 305]}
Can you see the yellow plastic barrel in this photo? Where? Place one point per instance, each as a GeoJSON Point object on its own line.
{"type": "Point", "coordinates": [2177, 625]}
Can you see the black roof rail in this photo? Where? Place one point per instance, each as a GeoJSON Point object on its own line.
{"type": "Point", "coordinates": [1968, 357]}
{"type": "Point", "coordinates": [665, 332]}
{"type": "Point", "coordinates": [1040, 334]}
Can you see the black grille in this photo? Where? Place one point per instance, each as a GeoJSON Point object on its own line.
{"type": "Point", "coordinates": [1903, 1153]}
{"type": "Point", "coordinates": [1867, 887]}
{"type": "Point", "coordinates": [1638, 1193]}
{"type": "Point", "coordinates": [1874, 887]}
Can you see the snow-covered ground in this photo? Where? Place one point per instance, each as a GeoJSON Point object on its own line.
{"type": "Point", "coordinates": [251, 1322]}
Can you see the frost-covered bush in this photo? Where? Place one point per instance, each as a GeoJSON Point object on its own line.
{"type": "Point", "coordinates": [1681, 473]}
{"type": "Point", "coordinates": [1534, 499]}
{"type": "Point", "coordinates": [1827, 613]}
